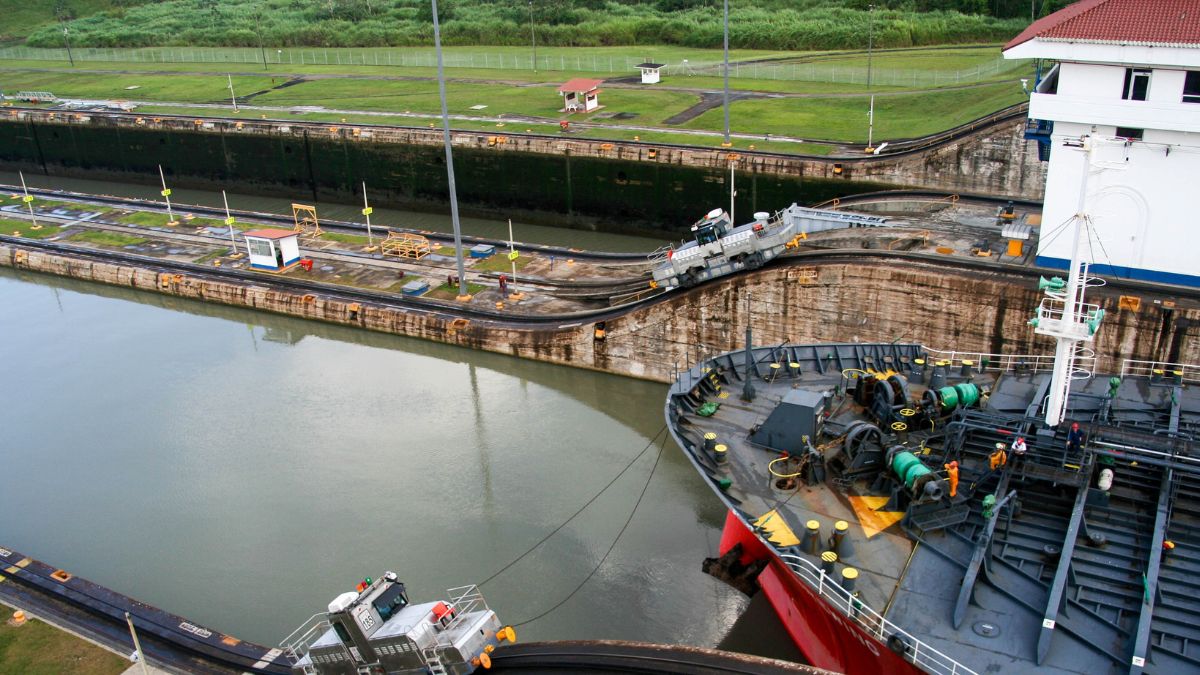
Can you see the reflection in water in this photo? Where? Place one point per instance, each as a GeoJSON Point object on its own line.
{"type": "Point", "coordinates": [245, 482]}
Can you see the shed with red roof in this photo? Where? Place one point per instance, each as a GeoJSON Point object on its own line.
{"type": "Point", "coordinates": [272, 250]}
{"type": "Point", "coordinates": [580, 95]}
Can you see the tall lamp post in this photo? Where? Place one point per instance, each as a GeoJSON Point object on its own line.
{"type": "Point", "coordinates": [870, 52]}
{"type": "Point", "coordinates": [532, 36]}
{"type": "Point", "coordinates": [67, 41]}
{"type": "Point", "coordinates": [458, 254]}
{"type": "Point", "coordinates": [727, 142]}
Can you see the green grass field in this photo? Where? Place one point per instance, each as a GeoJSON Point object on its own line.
{"type": "Point", "coordinates": [107, 238]}
{"type": "Point", "coordinates": [10, 227]}
{"type": "Point", "coordinates": [39, 649]}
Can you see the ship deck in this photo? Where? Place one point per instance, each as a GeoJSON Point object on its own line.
{"type": "Point", "coordinates": [1066, 576]}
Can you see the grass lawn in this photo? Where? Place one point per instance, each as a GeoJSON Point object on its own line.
{"type": "Point", "coordinates": [358, 239]}
{"type": "Point", "coordinates": [845, 119]}
{"type": "Point", "coordinates": [153, 219]}
{"type": "Point", "coordinates": [447, 292]}
{"type": "Point", "coordinates": [211, 255]}
{"type": "Point", "coordinates": [11, 227]}
{"type": "Point", "coordinates": [107, 238]}
{"type": "Point", "coordinates": [500, 263]}
{"type": "Point", "coordinates": [39, 649]}
{"type": "Point", "coordinates": [184, 88]}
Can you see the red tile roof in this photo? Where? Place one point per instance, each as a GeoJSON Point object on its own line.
{"type": "Point", "coordinates": [270, 233]}
{"type": "Point", "coordinates": [580, 84]}
{"type": "Point", "coordinates": [1153, 22]}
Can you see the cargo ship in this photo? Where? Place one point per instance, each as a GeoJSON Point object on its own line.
{"type": "Point", "coordinates": [910, 509]}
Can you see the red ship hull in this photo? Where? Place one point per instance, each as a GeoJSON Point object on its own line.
{"type": "Point", "coordinates": [826, 637]}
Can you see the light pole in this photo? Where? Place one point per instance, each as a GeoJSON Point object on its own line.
{"type": "Point", "coordinates": [727, 142]}
{"type": "Point", "coordinates": [870, 52]}
{"type": "Point", "coordinates": [532, 36]}
{"type": "Point", "coordinates": [67, 41]}
{"type": "Point", "coordinates": [458, 254]}
{"type": "Point", "coordinates": [232, 97]}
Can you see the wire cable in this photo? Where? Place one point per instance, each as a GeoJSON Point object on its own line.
{"type": "Point", "coordinates": [582, 508]}
{"type": "Point", "coordinates": [616, 539]}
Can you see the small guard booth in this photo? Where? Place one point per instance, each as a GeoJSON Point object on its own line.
{"type": "Point", "coordinates": [580, 95]}
{"type": "Point", "coordinates": [650, 72]}
{"type": "Point", "coordinates": [272, 250]}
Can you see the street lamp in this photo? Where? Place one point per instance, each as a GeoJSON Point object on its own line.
{"type": "Point", "coordinates": [870, 50]}
{"type": "Point", "coordinates": [727, 143]}
{"type": "Point", "coordinates": [532, 36]}
{"type": "Point", "coordinates": [67, 41]}
{"type": "Point", "coordinates": [437, 44]}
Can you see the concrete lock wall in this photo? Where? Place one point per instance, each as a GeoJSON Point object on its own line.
{"type": "Point", "coordinates": [857, 298]}
{"type": "Point", "coordinates": [581, 183]}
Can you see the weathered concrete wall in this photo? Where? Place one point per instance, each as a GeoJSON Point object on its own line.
{"type": "Point", "coordinates": [835, 300]}
{"type": "Point", "coordinates": [584, 183]}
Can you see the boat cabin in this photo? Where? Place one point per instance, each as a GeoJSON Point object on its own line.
{"type": "Point", "coordinates": [712, 227]}
{"type": "Point", "coordinates": [272, 249]}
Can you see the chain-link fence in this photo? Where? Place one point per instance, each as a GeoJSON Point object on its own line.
{"type": "Point", "coordinates": [590, 63]}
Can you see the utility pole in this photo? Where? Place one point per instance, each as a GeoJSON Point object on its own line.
{"type": "Point", "coordinates": [232, 98]}
{"type": "Point", "coordinates": [367, 211]}
{"type": "Point", "coordinates": [532, 36]}
{"type": "Point", "coordinates": [166, 193]}
{"type": "Point", "coordinates": [67, 41]}
{"type": "Point", "coordinates": [229, 221]}
{"type": "Point", "coordinates": [512, 256]}
{"type": "Point", "coordinates": [727, 142]}
{"type": "Point", "coordinates": [28, 199]}
{"type": "Point", "coordinates": [137, 646]}
{"type": "Point", "coordinates": [732, 194]}
{"type": "Point", "coordinates": [458, 253]}
{"type": "Point", "coordinates": [870, 52]}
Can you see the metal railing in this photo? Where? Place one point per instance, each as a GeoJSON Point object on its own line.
{"type": "Point", "coordinates": [464, 600]}
{"type": "Point", "coordinates": [917, 652]}
{"type": "Point", "coordinates": [1189, 372]}
{"type": "Point", "coordinates": [296, 644]}
{"type": "Point", "coordinates": [1006, 362]}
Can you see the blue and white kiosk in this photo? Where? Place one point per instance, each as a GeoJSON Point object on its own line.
{"type": "Point", "coordinates": [272, 250]}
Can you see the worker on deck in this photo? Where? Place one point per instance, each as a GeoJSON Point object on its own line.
{"type": "Point", "coordinates": [998, 458]}
{"type": "Point", "coordinates": [952, 476]}
{"type": "Point", "coordinates": [1075, 439]}
{"type": "Point", "coordinates": [1019, 449]}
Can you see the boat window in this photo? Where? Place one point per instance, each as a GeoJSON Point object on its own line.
{"type": "Point", "coordinates": [342, 634]}
{"type": "Point", "coordinates": [705, 235]}
{"type": "Point", "coordinates": [1191, 87]}
{"type": "Point", "coordinates": [390, 601]}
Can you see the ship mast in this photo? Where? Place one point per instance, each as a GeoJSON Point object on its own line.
{"type": "Point", "coordinates": [1063, 314]}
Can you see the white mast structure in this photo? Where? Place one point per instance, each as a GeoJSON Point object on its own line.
{"type": "Point", "coordinates": [1064, 315]}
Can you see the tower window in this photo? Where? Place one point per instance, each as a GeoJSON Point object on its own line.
{"type": "Point", "coordinates": [1191, 87]}
{"type": "Point", "coordinates": [1137, 83]}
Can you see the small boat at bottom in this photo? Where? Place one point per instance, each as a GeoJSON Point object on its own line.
{"type": "Point", "coordinates": [375, 630]}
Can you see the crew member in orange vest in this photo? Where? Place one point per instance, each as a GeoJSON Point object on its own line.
{"type": "Point", "coordinates": [998, 458]}
{"type": "Point", "coordinates": [952, 476]}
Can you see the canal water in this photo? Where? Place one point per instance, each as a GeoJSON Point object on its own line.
{"type": "Point", "coordinates": [496, 228]}
{"type": "Point", "coordinates": [242, 469]}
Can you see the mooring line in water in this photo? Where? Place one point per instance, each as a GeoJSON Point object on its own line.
{"type": "Point", "coordinates": [628, 520]}
{"type": "Point", "coordinates": [586, 504]}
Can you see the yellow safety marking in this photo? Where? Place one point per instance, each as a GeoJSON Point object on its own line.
{"type": "Point", "coordinates": [776, 528]}
{"type": "Point", "coordinates": [723, 394]}
{"type": "Point", "coordinates": [2, 578]}
{"type": "Point", "coordinates": [870, 518]}
{"type": "Point", "coordinates": [24, 562]}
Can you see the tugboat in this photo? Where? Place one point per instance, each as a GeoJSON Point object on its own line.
{"type": "Point", "coordinates": [910, 510]}
{"type": "Point", "coordinates": [375, 630]}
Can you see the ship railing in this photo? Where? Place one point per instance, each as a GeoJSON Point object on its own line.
{"type": "Point", "coordinates": [659, 255]}
{"type": "Point", "coordinates": [297, 643]}
{"type": "Point", "coordinates": [464, 600]}
{"type": "Point", "coordinates": [1183, 372]}
{"type": "Point", "coordinates": [915, 651]}
{"type": "Point", "coordinates": [1006, 362]}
